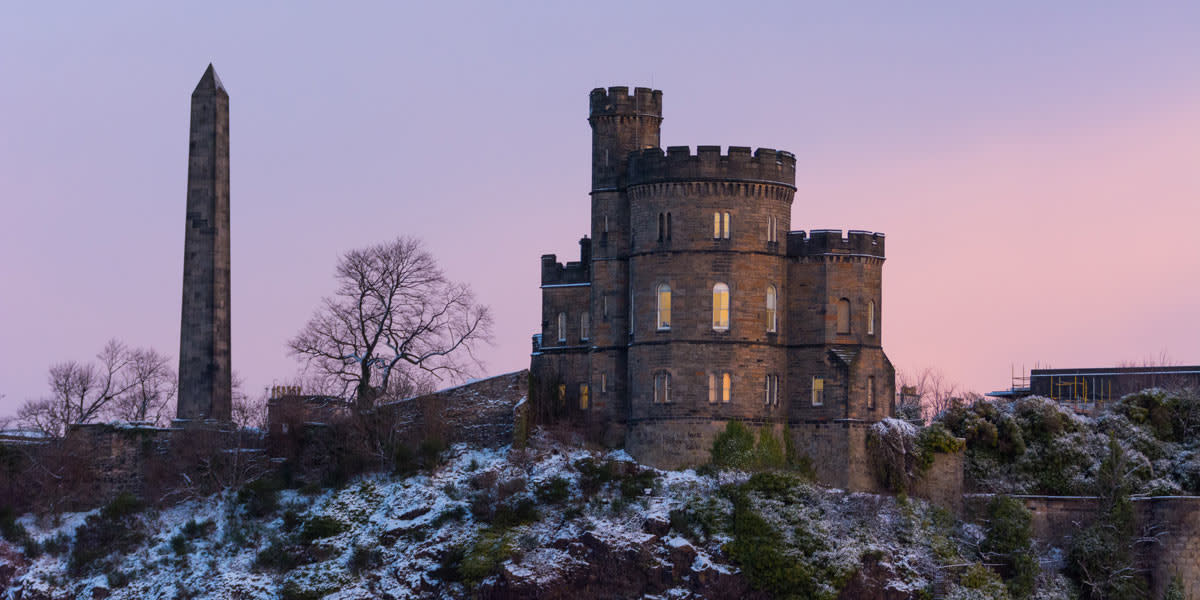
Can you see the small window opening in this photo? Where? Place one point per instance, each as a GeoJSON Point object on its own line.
{"type": "Point", "coordinates": [818, 391]}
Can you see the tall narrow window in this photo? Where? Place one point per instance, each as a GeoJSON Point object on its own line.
{"type": "Point", "coordinates": [843, 316]}
{"type": "Point", "coordinates": [771, 390]}
{"type": "Point", "coordinates": [871, 318]}
{"type": "Point", "coordinates": [662, 226]}
{"type": "Point", "coordinates": [604, 305]}
{"type": "Point", "coordinates": [562, 327]}
{"type": "Point", "coordinates": [716, 226]}
{"type": "Point", "coordinates": [604, 232]}
{"type": "Point", "coordinates": [712, 388]}
{"type": "Point", "coordinates": [664, 307]}
{"type": "Point", "coordinates": [668, 226]}
{"type": "Point", "coordinates": [720, 307]}
{"type": "Point", "coordinates": [725, 227]}
{"type": "Point", "coordinates": [583, 396]}
{"type": "Point", "coordinates": [772, 305]}
{"type": "Point", "coordinates": [585, 327]}
{"type": "Point", "coordinates": [630, 310]}
{"type": "Point", "coordinates": [604, 383]}
{"type": "Point", "coordinates": [726, 387]}
{"type": "Point", "coordinates": [818, 391]}
{"type": "Point", "coordinates": [871, 392]}
{"type": "Point", "coordinates": [662, 387]}
{"type": "Point", "coordinates": [772, 234]}
{"type": "Point", "coordinates": [562, 394]}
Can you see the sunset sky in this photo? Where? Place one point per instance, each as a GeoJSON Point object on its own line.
{"type": "Point", "coordinates": [1035, 166]}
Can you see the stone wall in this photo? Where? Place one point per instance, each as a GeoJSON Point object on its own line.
{"type": "Point", "coordinates": [942, 483]}
{"type": "Point", "coordinates": [1173, 520]}
{"type": "Point", "coordinates": [479, 413]}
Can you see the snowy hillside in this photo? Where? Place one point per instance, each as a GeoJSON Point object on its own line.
{"type": "Point", "coordinates": [546, 522]}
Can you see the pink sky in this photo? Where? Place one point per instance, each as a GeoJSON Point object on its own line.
{"type": "Point", "coordinates": [1035, 169]}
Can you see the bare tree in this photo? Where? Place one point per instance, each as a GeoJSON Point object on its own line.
{"type": "Point", "coordinates": [121, 383]}
{"type": "Point", "coordinates": [932, 392]}
{"type": "Point", "coordinates": [248, 411]}
{"type": "Point", "coordinates": [152, 386]}
{"type": "Point", "coordinates": [394, 315]}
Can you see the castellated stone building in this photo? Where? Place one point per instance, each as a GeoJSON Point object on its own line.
{"type": "Point", "coordinates": [694, 304]}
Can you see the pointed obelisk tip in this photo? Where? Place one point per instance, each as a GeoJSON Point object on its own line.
{"type": "Point", "coordinates": [209, 82]}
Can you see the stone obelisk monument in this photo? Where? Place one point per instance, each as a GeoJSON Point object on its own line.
{"type": "Point", "coordinates": [205, 375]}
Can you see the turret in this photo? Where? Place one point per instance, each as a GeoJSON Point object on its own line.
{"type": "Point", "coordinates": [621, 123]}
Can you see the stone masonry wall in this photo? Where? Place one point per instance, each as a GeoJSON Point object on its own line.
{"type": "Point", "coordinates": [479, 413]}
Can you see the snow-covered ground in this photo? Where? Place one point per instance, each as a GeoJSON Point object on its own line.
{"type": "Point", "coordinates": [396, 535]}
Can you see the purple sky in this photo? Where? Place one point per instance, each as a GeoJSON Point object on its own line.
{"type": "Point", "coordinates": [1035, 167]}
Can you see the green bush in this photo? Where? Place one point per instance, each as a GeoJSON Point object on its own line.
{"type": "Point", "coordinates": [485, 556]}
{"type": "Point", "coordinates": [593, 476]}
{"type": "Point", "coordinates": [321, 527]}
{"type": "Point", "coordinates": [1007, 540]}
{"type": "Point", "coordinates": [635, 484]}
{"type": "Point", "coordinates": [1102, 553]}
{"type": "Point", "coordinates": [517, 510]}
{"type": "Point", "coordinates": [114, 529]}
{"type": "Point", "coordinates": [936, 439]}
{"type": "Point", "coordinates": [196, 529]}
{"type": "Point", "coordinates": [180, 545]}
{"type": "Point", "coordinates": [554, 491]}
{"type": "Point", "coordinates": [260, 497]}
{"type": "Point", "coordinates": [734, 447]}
{"type": "Point", "coordinates": [278, 556]}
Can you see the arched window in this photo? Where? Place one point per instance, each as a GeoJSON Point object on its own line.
{"type": "Point", "coordinates": [585, 327]}
{"type": "Point", "coordinates": [721, 307]}
{"type": "Point", "coordinates": [664, 307]}
{"type": "Point", "coordinates": [843, 316]}
{"type": "Point", "coordinates": [772, 313]}
{"type": "Point", "coordinates": [871, 318]}
{"type": "Point", "coordinates": [662, 387]}
{"type": "Point", "coordinates": [562, 327]}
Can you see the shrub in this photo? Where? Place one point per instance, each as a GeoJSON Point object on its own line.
{"type": "Point", "coordinates": [431, 450]}
{"type": "Point", "coordinates": [517, 510]}
{"type": "Point", "coordinates": [113, 529]}
{"type": "Point", "coordinates": [636, 483]}
{"type": "Point", "coordinates": [593, 476]}
{"type": "Point", "coordinates": [180, 545]}
{"type": "Point", "coordinates": [260, 497]}
{"type": "Point", "coordinates": [734, 447]}
{"type": "Point", "coordinates": [195, 529]}
{"type": "Point", "coordinates": [555, 491]}
{"type": "Point", "coordinates": [450, 514]}
{"type": "Point", "coordinates": [280, 557]}
{"type": "Point", "coordinates": [485, 556]}
{"type": "Point", "coordinates": [321, 527]}
{"type": "Point", "coordinates": [1101, 556]}
{"type": "Point", "coordinates": [892, 447]}
{"type": "Point", "coordinates": [10, 529]}
{"type": "Point", "coordinates": [936, 439]}
{"type": "Point", "coordinates": [1007, 539]}
{"type": "Point", "coordinates": [365, 558]}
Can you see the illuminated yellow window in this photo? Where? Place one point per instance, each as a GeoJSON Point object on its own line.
{"type": "Point", "coordinates": [562, 392]}
{"type": "Point", "coordinates": [583, 396]}
{"type": "Point", "coordinates": [871, 392]}
{"type": "Point", "coordinates": [726, 387]}
{"type": "Point", "coordinates": [818, 391]}
{"type": "Point", "coordinates": [712, 388]}
{"type": "Point", "coordinates": [725, 231]}
{"type": "Point", "coordinates": [720, 307]}
{"type": "Point", "coordinates": [664, 306]}
{"type": "Point", "coordinates": [716, 226]}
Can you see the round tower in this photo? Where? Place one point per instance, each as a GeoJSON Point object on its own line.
{"type": "Point", "coordinates": [707, 276]}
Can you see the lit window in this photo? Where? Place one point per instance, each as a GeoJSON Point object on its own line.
{"type": "Point", "coordinates": [843, 316]}
{"type": "Point", "coordinates": [726, 387]}
{"type": "Point", "coordinates": [725, 229]}
{"type": "Point", "coordinates": [871, 318]}
{"type": "Point", "coordinates": [712, 388]}
{"type": "Point", "coordinates": [721, 307]}
{"type": "Point", "coordinates": [583, 396]}
{"type": "Point", "coordinates": [562, 327]}
{"type": "Point", "coordinates": [818, 391]}
{"type": "Point", "coordinates": [871, 392]}
{"type": "Point", "coordinates": [662, 387]}
{"type": "Point", "coordinates": [772, 313]}
{"type": "Point", "coordinates": [585, 326]}
{"type": "Point", "coordinates": [716, 226]}
{"type": "Point", "coordinates": [664, 307]}
{"type": "Point", "coordinates": [562, 393]}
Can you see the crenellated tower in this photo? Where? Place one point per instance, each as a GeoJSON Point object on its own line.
{"type": "Point", "coordinates": [693, 305]}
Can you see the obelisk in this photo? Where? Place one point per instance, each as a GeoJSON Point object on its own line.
{"type": "Point", "coordinates": [205, 375]}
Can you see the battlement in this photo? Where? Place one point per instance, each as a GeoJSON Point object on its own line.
{"type": "Point", "coordinates": [572, 273]}
{"type": "Point", "coordinates": [617, 100]}
{"type": "Point", "coordinates": [820, 242]}
{"type": "Point", "coordinates": [765, 165]}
